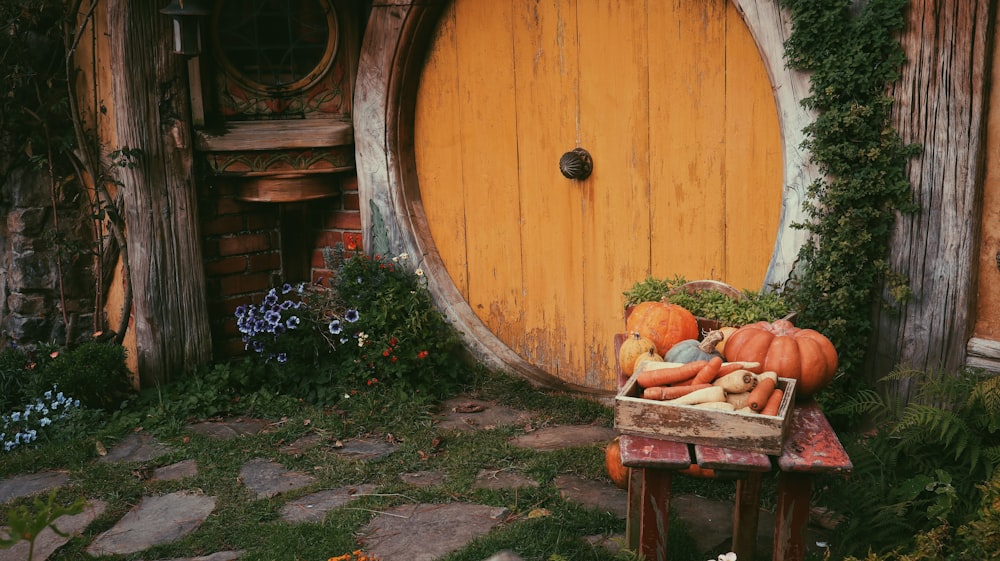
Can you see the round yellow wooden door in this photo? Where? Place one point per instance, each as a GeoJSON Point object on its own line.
{"type": "Point", "coordinates": [673, 104]}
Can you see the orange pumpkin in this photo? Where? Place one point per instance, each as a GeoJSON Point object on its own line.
{"type": "Point", "coordinates": [803, 354]}
{"type": "Point", "coordinates": [613, 462]}
{"type": "Point", "coordinates": [633, 347]}
{"type": "Point", "coordinates": [662, 323]}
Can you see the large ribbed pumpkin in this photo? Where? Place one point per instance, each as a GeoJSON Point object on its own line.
{"type": "Point", "coordinates": [663, 323]}
{"type": "Point", "coordinates": [803, 354]}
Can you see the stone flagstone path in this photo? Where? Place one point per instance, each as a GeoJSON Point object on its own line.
{"type": "Point", "coordinates": [410, 532]}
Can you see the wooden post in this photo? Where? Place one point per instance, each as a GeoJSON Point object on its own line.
{"type": "Point", "coordinates": [151, 106]}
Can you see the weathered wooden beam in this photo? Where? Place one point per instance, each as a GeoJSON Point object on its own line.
{"type": "Point", "coordinates": [941, 101]}
{"type": "Point", "coordinates": [152, 115]}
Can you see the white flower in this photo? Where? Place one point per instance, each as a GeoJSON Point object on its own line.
{"type": "Point", "coordinates": [347, 396]}
{"type": "Point", "coordinates": [727, 557]}
{"type": "Point", "coordinates": [404, 256]}
{"type": "Point", "coordinates": [419, 272]}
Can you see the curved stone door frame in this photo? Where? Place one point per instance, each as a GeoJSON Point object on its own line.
{"type": "Point", "coordinates": [392, 56]}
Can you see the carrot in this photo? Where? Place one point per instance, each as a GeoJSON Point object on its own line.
{"type": "Point", "coordinates": [661, 393]}
{"type": "Point", "coordinates": [773, 403]}
{"type": "Point", "coordinates": [759, 395]}
{"type": "Point", "coordinates": [670, 375]}
{"type": "Point", "coordinates": [708, 372]}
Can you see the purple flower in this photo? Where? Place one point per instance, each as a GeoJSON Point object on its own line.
{"type": "Point", "coordinates": [336, 327]}
{"type": "Point", "coordinates": [352, 316]}
{"type": "Point", "coordinates": [282, 357]}
{"type": "Point", "coordinates": [286, 288]}
{"type": "Point", "coordinates": [293, 322]}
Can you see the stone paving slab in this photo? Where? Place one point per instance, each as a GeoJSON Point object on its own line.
{"type": "Point", "coordinates": [565, 436]}
{"type": "Point", "coordinates": [136, 447]}
{"type": "Point", "coordinates": [48, 541]}
{"type": "Point", "coordinates": [365, 449]}
{"type": "Point", "coordinates": [31, 484]}
{"type": "Point", "coordinates": [313, 507]}
{"type": "Point", "coordinates": [219, 556]}
{"type": "Point", "coordinates": [593, 494]}
{"type": "Point", "coordinates": [154, 521]}
{"type": "Point", "coordinates": [176, 471]}
{"type": "Point", "coordinates": [502, 479]}
{"type": "Point", "coordinates": [268, 479]}
{"type": "Point", "coordinates": [303, 444]}
{"type": "Point", "coordinates": [426, 532]}
{"type": "Point", "coordinates": [424, 478]}
{"type": "Point", "coordinates": [467, 414]}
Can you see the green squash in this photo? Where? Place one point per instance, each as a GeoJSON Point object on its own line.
{"type": "Point", "coordinates": [691, 350]}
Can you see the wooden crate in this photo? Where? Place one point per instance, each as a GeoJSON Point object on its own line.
{"type": "Point", "coordinates": [696, 425]}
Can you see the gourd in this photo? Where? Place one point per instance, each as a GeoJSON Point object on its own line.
{"type": "Point", "coordinates": [632, 348]}
{"type": "Point", "coordinates": [649, 356]}
{"type": "Point", "coordinates": [663, 323]}
{"type": "Point", "coordinates": [726, 331]}
{"type": "Point", "coordinates": [690, 350]}
{"type": "Point", "coordinates": [613, 463]}
{"type": "Point", "coordinates": [803, 354]}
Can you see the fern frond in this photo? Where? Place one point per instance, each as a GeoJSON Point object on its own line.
{"type": "Point", "coordinates": [987, 393]}
{"type": "Point", "coordinates": [865, 402]}
{"type": "Point", "coordinates": [923, 425]}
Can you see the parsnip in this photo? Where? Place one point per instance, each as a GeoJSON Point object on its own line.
{"type": "Point", "coordinates": [737, 382]}
{"type": "Point", "coordinates": [712, 393]}
{"type": "Point", "coordinates": [738, 400]}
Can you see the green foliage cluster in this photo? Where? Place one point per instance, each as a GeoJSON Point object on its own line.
{"type": "Point", "coordinates": [372, 324]}
{"type": "Point", "coordinates": [753, 307]}
{"type": "Point", "coordinates": [851, 59]}
{"type": "Point", "coordinates": [930, 467]}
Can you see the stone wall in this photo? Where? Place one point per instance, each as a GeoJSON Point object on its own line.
{"type": "Point", "coordinates": [39, 304]}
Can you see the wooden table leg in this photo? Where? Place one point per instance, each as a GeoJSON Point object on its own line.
{"type": "Point", "coordinates": [654, 514]}
{"type": "Point", "coordinates": [746, 515]}
{"type": "Point", "coordinates": [634, 509]}
{"type": "Point", "coordinates": [791, 516]}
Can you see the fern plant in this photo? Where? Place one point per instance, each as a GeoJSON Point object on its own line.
{"type": "Point", "coordinates": [921, 465]}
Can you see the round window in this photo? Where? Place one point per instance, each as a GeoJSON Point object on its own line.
{"type": "Point", "coordinates": [275, 46]}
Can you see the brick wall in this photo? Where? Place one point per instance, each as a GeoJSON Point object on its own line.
{"type": "Point", "coordinates": [249, 247]}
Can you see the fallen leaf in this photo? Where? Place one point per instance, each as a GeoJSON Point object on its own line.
{"type": "Point", "coordinates": [101, 450]}
{"type": "Point", "coordinates": [539, 513]}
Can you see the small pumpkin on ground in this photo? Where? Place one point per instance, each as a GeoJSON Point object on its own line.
{"type": "Point", "coordinates": [803, 354]}
{"type": "Point", "coordinates": [690, 350]}
{"type": "Point", "coordinates": [663, 323]}
{"type": "Point", "coordinates": [633, 347]}
{"type": "Point", "coordinates": [613, 463]}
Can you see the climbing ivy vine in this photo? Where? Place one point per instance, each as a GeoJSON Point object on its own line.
{"type": "Point", "coordinates": [852, 54]}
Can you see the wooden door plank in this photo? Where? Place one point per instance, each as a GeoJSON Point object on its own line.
{"type": "Point", "coordinates": [489, 165]}
{"type": "Point", "coordinates": [687, 151]}
{"type": "Point", "coordinates": [987, 325]}
{"type": "Point", "coordinates": [438, 151]}
{"type": "Point", "coordinates": [546, 72]}
{"type": "Point", "coordinates": [614, 112]}
{"type": "Point", "coordinates": [753, 170]}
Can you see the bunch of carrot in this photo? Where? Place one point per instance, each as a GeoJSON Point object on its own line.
{"type": "Point", "coordinates": [714, 384]}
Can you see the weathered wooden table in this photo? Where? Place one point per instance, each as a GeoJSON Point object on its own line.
{"type": "Point", "coordinates": [811, 448]}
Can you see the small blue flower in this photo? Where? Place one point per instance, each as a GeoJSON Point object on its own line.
{"type": "Point", "coordinates": [293, 322]}
{"type": "Point", "coordinates": [258, 346]}
{"type": "Point", "coordinates": [286, 304]}
{"type": "Point", "coordinates": [241, 310]}
{"type": "Point", "coordinates": [361, 280]}
{"type": "Point", "coordinates": [286, 288]}
{"type": "Point", "coordinates": [282, 357]}
{"type": "Point", "coordinates": [336, 327]}
{"type": "Point", "coordinates": [15, 416]}
{"type": "Point", "coordinates": [272, 317]}
{"type": "Point", "coordinates": [45, 421]}
{"type": "Point", "coordinates": [352, 316]}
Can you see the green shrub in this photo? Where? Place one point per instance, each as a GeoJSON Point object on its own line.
{"type": "Point", "coordinates": [93, 372]}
